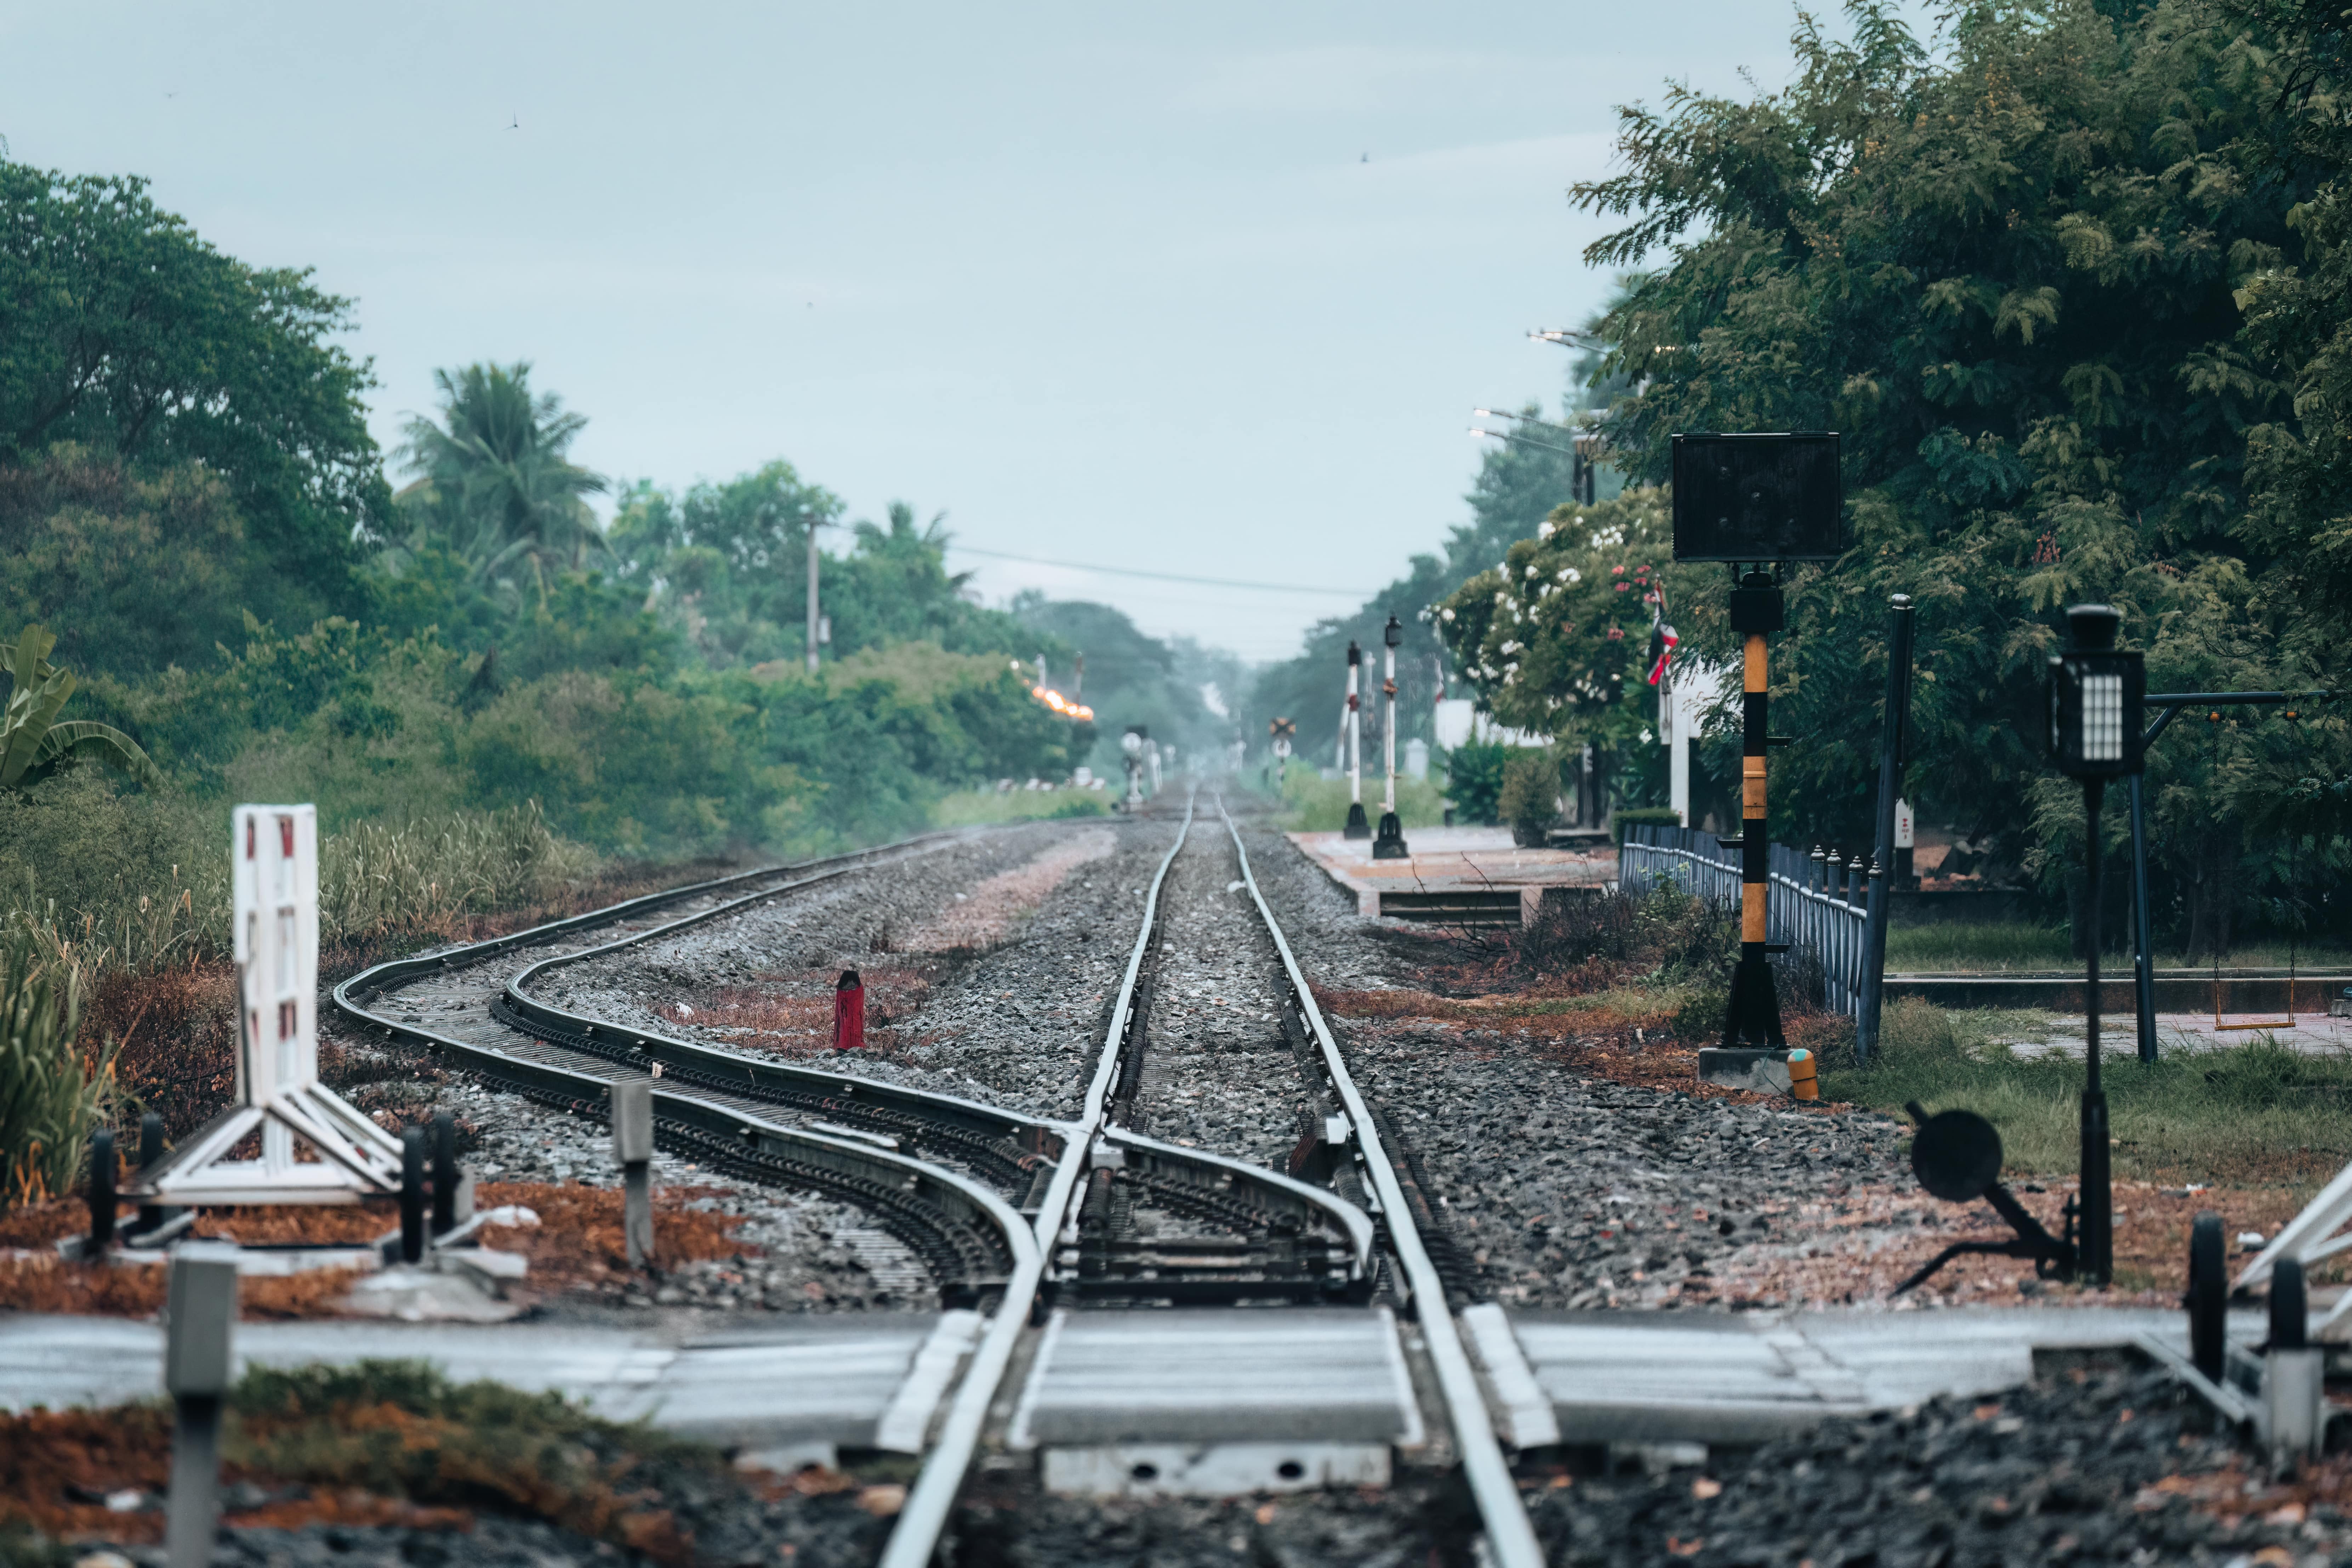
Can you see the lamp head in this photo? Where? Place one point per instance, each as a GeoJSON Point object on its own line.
{"type": "Point", "coordinates": [1355, 654]}
{"type": "Point", "coordinates": [2097, 699]}
{"type": "Point", "coordinates": [1393, 633]}
{"type": "Point", "coordinates": [2093, 627]}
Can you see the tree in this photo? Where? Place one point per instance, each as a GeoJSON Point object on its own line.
{"type": "Point", "coordinates": [34, 742]}
{"type": "Point", "coordinates": [123, 331]}
{"type": "Point", "coordinates": [2010, 275]}
{"type": "Point", "coordinates": [494, 481]}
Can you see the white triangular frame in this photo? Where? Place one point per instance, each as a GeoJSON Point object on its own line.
{"type": "Point", "coordinates": [274, 864]}
{"type": "Point", "coordinates": [2318, 1232]}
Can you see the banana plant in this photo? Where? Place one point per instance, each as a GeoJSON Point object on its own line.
{"type": "Point", "coordinates": [34, 743]}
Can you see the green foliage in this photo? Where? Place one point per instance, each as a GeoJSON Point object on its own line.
{"type": "Point", "coordinates": [495, 486]}
{"type": "Point", "coordinates": [53, 1095]}
{"type": "Point", "coordinates": [2012, 274]}
{"type": "Point", "coordinates": [1528, 801]}
{"type": "Point", "coordinates": [727, 564]}
{"type": "Point", "coordinates": [35, 743]}
{"type": "Point", "coordinates": [186, 482]}
{"type": "Point", "coordinates": [1474, 780]}
{"type": "Point", "coordinates": [1518, 484]}
{"type": "Point", "coordinates": [136, 569]}
{"type": "Point", "coordinates": [120, 329]}
{"type": "Point", "coordinates": [1132, 679]}
{"type": "Point", "coordinates": [1556, 640]}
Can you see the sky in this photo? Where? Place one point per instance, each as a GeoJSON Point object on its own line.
{"type": "Point", "coordinates": [1206, 291]}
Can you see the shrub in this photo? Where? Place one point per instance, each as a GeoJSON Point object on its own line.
{"type": "Point", "coordinates": [1626, 817]}
{"type": "Point", "coordinates": [53, 1096]}
{"type": "Point", "coordinates": [1530, 798]}
{"type": "Point", "coordinates": [1474, 780]}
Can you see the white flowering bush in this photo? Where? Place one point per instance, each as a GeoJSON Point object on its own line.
{"type": "Point", "coordinates": [1557, 636]}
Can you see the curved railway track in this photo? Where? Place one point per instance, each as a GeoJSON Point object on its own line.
{"type": "Point", "coordinates": [1010, 1213]}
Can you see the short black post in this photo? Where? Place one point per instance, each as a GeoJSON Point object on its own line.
{"type": "Point", "coordinates": [101, 1192]}
{"type": "Point", "coordinates": [151, 1154]}
{"type": "Point", "coordinates": [633, 1147]}
{"type": "Point", "coordinates": [412, 1195]}
{"type": "Point", "coordinates": [445, 1171]}
{"type": "Point", "coordinates": [2097, 1201]}
{"type": "Point", "coordinates": [1890, 789]}
{"type": "Point", "coordinates": [200, 1304]}
{"type": "Point", "coordinates": [2144, 959]}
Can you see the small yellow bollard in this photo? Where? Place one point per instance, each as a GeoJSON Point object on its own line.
{"type": "Point", "coordinates": [1802, 1082]}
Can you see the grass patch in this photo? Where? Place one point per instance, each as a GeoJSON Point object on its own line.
{"type": "Point", "coordinates": [1317, 805]}
{"type": "Point", "coordinates": [2256, 1114]}
{"type": "Point", "coordinates": [982, 807]}
{"type": "Point", "coordinates": [1996, 945]}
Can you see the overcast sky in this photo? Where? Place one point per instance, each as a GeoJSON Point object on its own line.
{"type": "Point", "coordinates": [1206, 290]}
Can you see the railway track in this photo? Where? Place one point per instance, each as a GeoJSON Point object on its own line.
{"type": "Point", "coordinates": [1090, 1250]}
{"type": "Point", "coordinates": [1020, 1217]}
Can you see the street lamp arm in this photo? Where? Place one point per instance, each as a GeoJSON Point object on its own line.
{"type": "Point", "coordinates": [1526, 441]}
{"type": "Point", "coordinates": [2173, 702]}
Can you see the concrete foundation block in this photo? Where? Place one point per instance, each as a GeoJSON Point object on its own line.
{"type": "Point", "coordinates": [1766, 1071]}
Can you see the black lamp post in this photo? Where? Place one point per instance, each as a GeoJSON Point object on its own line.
{"type": "Point", "coordinates": [2097, 695]}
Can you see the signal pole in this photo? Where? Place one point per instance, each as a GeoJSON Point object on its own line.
{"type": "Point", "coordinates": [1357, 826]}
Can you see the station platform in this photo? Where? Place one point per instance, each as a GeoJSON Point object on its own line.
{"type": "Point", "coordinates": [1455, 876]}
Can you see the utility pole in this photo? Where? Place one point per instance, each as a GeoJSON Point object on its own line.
{"type": "Point", "coordinates": [813, 527]}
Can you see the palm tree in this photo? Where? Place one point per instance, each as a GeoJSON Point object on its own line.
{"type": "Point", "coordinates": [33, 745]}
{"type": "Point", "coordinates": [494, 474]}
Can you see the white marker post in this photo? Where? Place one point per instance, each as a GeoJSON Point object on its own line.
{"type": "Point", "coordinates": [633, 1146]}
{"type": "Point", "coordinates": [1357, 826]}
{"type": "Point", "coordinates": [315, 1147]}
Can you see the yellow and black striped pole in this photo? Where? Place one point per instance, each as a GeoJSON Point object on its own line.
{"type": "Point", "coordinates": [1755, 1011]}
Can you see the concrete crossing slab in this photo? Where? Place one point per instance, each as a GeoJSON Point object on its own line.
{"type": "Point", "coordinates": [1332, 1375]}
{"type": "Point", "coordinates": [830, 1381]}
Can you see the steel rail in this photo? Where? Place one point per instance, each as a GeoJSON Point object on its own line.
{"type": "Point", "coordinates": [846, 1165]}
{"type": "Point", "coordinates": [1509, 1535]}
{"type": "Point", "coordinates": [916, 1536]}
{"type": "Point", "coordinates": [890, 1184]}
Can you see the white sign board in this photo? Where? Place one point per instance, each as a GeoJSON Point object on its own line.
{"type": "Point", "coordinates": [275, 888]}
{"type": "Point", "coordinates": [1903, 825]}
{"type": "Point", "coordinates": [315, 1147]}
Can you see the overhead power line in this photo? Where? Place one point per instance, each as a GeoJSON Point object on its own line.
{"type": "Point", "coordinates": [1169, 576]}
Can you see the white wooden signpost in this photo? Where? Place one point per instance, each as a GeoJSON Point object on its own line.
{"type": "Point", "coordinates": [315, 1147]}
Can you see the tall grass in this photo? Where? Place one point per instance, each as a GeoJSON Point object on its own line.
{"type": "Point", "coordinates": [53, 1093]}
{"type": "Point", "coordinates": [375, 878]}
